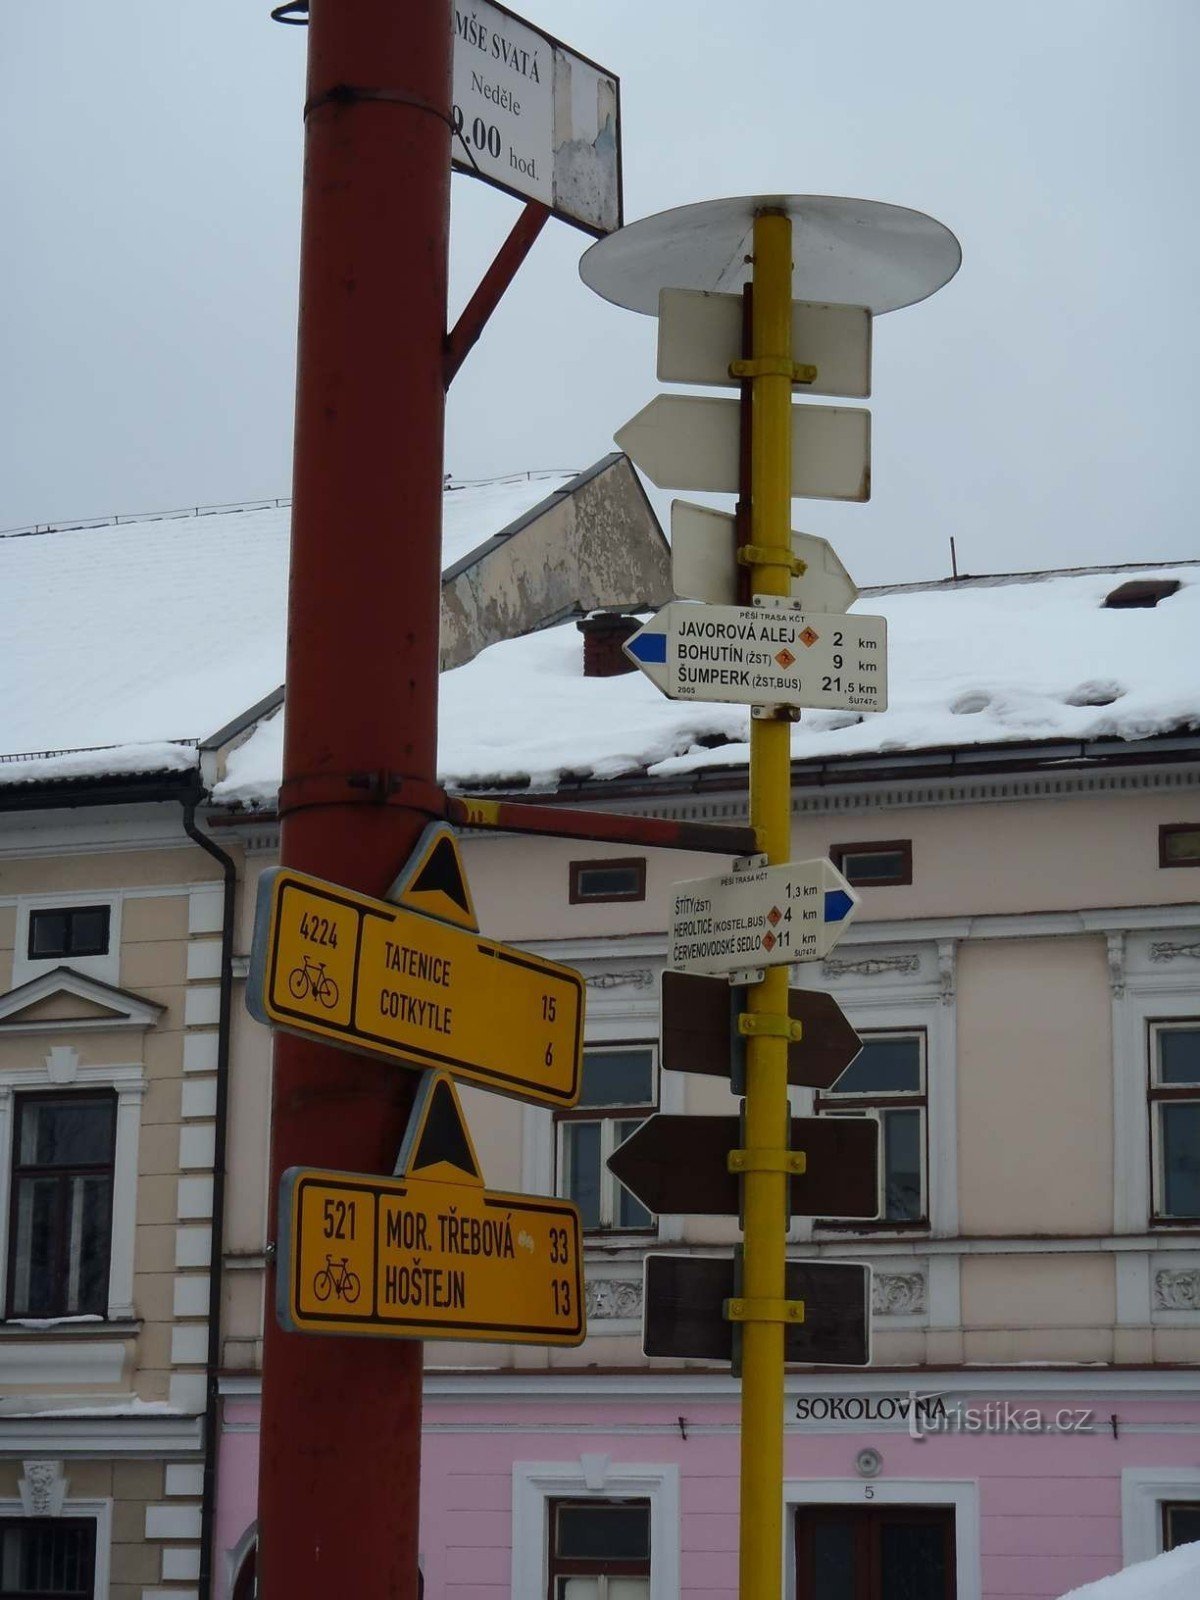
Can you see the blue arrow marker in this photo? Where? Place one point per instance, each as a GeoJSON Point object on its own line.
{"type": "Point", "coordinates": [648, 647]}
{"type": "Point", "coordinates": [838, 905]}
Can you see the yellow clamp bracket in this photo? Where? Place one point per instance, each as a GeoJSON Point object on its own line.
{"type": "Point", "coordinates": [793, 1162]}
{"type": "Point", "coordinates": [789, 1311]}
{"type": "Point", "coordinates": [760, 555]}
{"type": "Point", "coordinates": [756, 1024]}
{"type": "Point", "coordinates": [774, 367]}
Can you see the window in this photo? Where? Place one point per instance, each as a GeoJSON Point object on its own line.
{"type": "Point", "coordinates": [64, 931]}
{"type": "Point", "coordinates": [874, 863]}
{"type": "Point", "coordinates": [1175, 1120]}
{"type": "Point", "coordinates": [887, 1081]}
{"type": "Point", "coordinates": [601, 881]}
{"type": "Point", "coordinates": [618, 1094]}
{"type": "Point", "coordinates": [875, 1552]}
{"type": "Point", "coordinates": [47, 1556]}
{"type": "Point", "coordinates": [1180, 1522]}
{"type": "Point", "coordinates": [599, 1549]}
{"type": "Point", "coordinates": [62, 1190]}
{"type": "Point", "coordinates": [1179, 845]}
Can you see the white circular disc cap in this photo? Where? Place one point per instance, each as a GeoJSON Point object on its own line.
{"type": "Point", "coordinates": [844, 252]}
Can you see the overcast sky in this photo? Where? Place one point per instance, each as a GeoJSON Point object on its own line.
{"type": "Point", "coordinates": [1041, 408]}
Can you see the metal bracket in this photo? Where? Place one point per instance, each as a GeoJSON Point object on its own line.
{"type": "Point", "coordinates": [774, 367]}
{"type": "Point", "coordinates": [751, 863]}
{"type": "Point", "coordinates": [744, 977]}
{"type": "Point", "coordinates": [760, 555]}
{"type": "Point", "coordinates": [379, 788]}
{"type": "Point", "coordinates": [790, 1312]}
{"type": "Point", "coordinates": [775, 713]}
{"type": "Point", "coordinates": [792, 1162]}
{"type": "Point", "coordinates": [761, 1025]}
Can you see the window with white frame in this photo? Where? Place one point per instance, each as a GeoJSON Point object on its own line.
{"type": "Point", "coordinates": [1174, 1097]}
{"type": "Point", "coordinates": [60, 1216]}
{"type": "Point", "coordinates": [619, 1091]}
{"type": "Point", "coordinates": [47, 1556]}
{"type": "Point", "coordinates": [599, 1549]}
{"type": "Point", "coordinates": [80, 931]}
{"type": "Point", "coordinates": [888, 1082]}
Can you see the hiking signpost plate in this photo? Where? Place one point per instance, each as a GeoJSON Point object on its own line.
{"type": "Point", "coordinates": [761, 917]}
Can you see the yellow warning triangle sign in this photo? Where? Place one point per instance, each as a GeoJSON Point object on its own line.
{"type": "Point", "coordinates": [433, 881]}
{"type": "Point", "coordinates": [437, 1143]}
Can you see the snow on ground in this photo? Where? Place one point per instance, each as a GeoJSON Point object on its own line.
{"type": "Point", "coordinates": [1175, 1575]}
{"type": "Point", "coordinates": [979, 664]}
{"type": "Point", "coordinates": [116, 640]}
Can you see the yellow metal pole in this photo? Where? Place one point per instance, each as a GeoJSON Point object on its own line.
{"type": "Point", "coordinates": [766, 1111]}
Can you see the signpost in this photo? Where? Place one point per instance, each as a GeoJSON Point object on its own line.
{"type": "Point", "coordinates": [760, 655]}
{"type": "Point", "coordinates": [700, 339]}
{"type": "Point", "coordinates": [694, 1309]}
{"type": "Point", "coordinates": [684, 441]}
{"type": "Point", "coordinates": [704, 564]}
{"type": "Point", "coordinates": [534, 117]}
{"type": "Point", "coordinates": [691, 1166]}
{"type": "Point", "coordinates": [700, 1032]}
{"type": "Point", "coordinates": [382, 980]}
{"type": "Point", "coordinates": [431, 1253]}
{"type": "Point", "coordinates": [762, 917]}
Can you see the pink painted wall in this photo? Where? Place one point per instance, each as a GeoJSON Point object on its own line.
{"type": "Point", "coordinates": [1050, 1505]}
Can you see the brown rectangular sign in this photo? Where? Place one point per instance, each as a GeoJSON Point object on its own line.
{"type": "Point", "coordinates": [683, 1313]}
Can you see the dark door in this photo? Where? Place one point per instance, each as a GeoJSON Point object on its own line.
{"type": "Point", "coordinates": [875, 1553]}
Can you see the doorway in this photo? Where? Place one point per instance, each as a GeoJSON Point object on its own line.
{"type": "Point", "coordinates": [875, 1553]}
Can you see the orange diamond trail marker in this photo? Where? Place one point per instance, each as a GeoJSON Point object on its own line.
{"type": "Point", "coordinates": [785, 659]}
{"type": "Point", "coordinates": [808, 637]}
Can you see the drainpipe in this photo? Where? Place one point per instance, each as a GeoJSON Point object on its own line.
{"type": "Point", "coordinates": [208, 1503]}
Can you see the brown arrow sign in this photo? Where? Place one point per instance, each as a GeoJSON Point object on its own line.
{"type": "Point", "coordinates": [699, 1031]}
{"type": "Point", "coordinates": [684, 1316]}
{"type": "Point", "coordinates": [680, 1165]}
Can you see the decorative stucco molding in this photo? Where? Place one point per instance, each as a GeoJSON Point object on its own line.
{"type": "Point", "coordinates": [43, 1488]}
{"type": "Point", "coordinates": [639, 978]}
{"type": "Point", "coordinates": [1176, 1290]}
{"type": "Point", "coordinates": [62, 1063]}
{"type": "Point", "coordinates": [1165, 950]}
{"type": "Point", "coordinates": [946, 955]}
{"type": "Point", "coordinates": [1116, 962]}
{"type": "Point", "coordinates": [869, 966]}
{"type": "Point", "coordinates": [612, 1299]}
{"type": "Point", "coordinates": [897, 1294]}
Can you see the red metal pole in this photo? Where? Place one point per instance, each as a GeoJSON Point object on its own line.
{"type": "Point", "coordinates": [340, 1442]}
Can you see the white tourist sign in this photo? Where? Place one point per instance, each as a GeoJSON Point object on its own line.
{"type": "Point", "coordinates": [534, 117]}
{"type": "Point", "coordinates": [765, 655]}
{"type": "Point", "coordinates": [685, 441]}
{"type": "Point", "coordinates": [700, 334]}
{"type": "Point", "coordinates": [704, 562]}
{"type": "Point", "coordinates": [762, 917]}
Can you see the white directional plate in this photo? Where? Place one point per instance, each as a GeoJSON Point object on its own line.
{"type": "Point", "coordinates": [704, 562]}
{"type": "Point", "coordinates": [692, 442]}
{"type": "Point", "coordinates": [760, 656]}
{"type": "Point", "coordinates": [768, 916]}
{"type": "Point", "coordinates": [700, 334]}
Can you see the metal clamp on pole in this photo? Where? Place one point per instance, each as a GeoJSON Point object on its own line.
{"type": "Point", "coordinates": [773, 367]}
{"type": "Point", "coordinates": [789, 1312]}
{"type": "Point", "coordinates": [752, 1024]}
{"type": "Point", "coordinates": [792, 1162]}
{"type": "Point", "coordinates": [757, 555]}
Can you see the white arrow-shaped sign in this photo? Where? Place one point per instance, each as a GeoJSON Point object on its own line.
{"type": "Point", "coordinates": [700, 334]}
{"type": "Point", "coordinates": [692, 442]}
{"type": "Point", "coordinates": [765, 656]}
{"type": "Point", "coordinates": [704, 562]}
{"type": "Point", "coordinates": [767, 916]}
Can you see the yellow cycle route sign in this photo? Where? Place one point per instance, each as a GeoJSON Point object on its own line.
{"type": "Point", "coordinates": [411, 1258]}
{"type": "Point", "coordinates": [381, 979]}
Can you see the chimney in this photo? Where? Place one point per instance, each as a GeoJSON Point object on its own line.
{"type": "Point", "coordinates": [603, 636]}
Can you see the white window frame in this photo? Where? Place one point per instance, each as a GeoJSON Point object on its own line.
{"type": "Point", "coordinates": [1143, 1491]}
{"type": "Point", "coordinates": [100, 1511]}
{"type": "Point", "coordinates": [106, 968]}
{"type": "Point", "coordinates": [129, 1084]}
{"type": "Point", "coordinates": [608, 1116]}
{"type": "Point", "coordinates": [1158, 1218]}
{"type": "Point", "coordinates": [961, 1496]}
{"type": "Point", "coordinates": [834, 1105]}
{"type": "Point", "coordinates": [536, 1483]}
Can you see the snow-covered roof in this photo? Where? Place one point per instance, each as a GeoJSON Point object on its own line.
{"type": "Point", "coordinates": [983, 662]}
{"type": "Point", "coordinates": [125, 646]}
{"type": "Point", "coordinates": [1174, 1575]}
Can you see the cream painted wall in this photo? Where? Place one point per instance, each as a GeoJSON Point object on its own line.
{"type": "Point", "coordinates": [1035, 1087]}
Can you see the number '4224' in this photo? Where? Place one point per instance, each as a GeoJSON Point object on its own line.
{"type": "Point", "coordinates": [318, 930]}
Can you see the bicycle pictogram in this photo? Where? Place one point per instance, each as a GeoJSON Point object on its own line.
{"type": "Point", "coordinates": [336, 1278]}
{"type": "Point", "coordinates": [312, 979]}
